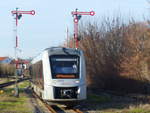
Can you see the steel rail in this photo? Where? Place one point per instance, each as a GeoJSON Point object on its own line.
{"type": "Point", "coordinates": [12, 82]}
{"type": "Point", "coordinates": [78, 111]}
{"type": "Point", "coordinates": [45, 104]}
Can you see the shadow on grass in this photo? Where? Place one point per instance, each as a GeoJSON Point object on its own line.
{"type": "Point", "coordinates": [118, 93]}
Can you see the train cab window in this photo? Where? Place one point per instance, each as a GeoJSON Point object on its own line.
{"type": "Point", "coordinates": [64, 66]}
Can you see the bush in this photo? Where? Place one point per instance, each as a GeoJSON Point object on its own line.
{"type": "Point", "coordinates": [117, 54]}
{"type": "Point", "coordinates": [7, 70]}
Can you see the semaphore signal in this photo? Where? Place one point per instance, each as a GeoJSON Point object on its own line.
{"type": "Point", "coordinates": [92, 13]}
{"type": "Point", "coordinates": [18, 14]}
{"type": "Point", "coordinates": [77, 16]}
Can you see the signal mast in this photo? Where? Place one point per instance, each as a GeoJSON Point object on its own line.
{"type": "Point", "coordinates": [18, 14]}
{"type": "Point", "coordinates": [77, 16]}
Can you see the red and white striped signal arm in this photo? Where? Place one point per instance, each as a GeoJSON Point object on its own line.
{"type": "Point", "coordinates": [92, 13]}
{"type": "Point", "coordinates": [24, 12]}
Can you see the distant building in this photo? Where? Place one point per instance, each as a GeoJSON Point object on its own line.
{"type": "Point", "coordinates": [21, 63]}
{"type": "Point", "coordinates": [5, 60]}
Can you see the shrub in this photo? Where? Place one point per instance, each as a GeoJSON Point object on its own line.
{"type": "Point", "coordinates": [7, 70]}
{"type": "Point", "coordinates": [117, 54]}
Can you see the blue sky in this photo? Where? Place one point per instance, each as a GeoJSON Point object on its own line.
{"type": "Point", "coordinates": [48, 27]}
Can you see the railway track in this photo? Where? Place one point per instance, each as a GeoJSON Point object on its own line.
{"type": "Point", "coordinates": [57, 109]}
{"type": "Point", "coordinates": [12, 82]}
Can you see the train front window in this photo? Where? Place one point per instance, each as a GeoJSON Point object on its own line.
{"type": "Point", "coordinates": [63, 66]}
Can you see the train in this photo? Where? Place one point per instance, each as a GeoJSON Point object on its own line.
{"type": "Point", "coordinates": [59, 75]}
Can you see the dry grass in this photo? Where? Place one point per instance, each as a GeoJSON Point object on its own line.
{"type": "Point", "coordinates": [4, 80]}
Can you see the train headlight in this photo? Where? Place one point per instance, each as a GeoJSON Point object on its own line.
{"type": "Point", "coordinates": [77, 81]}
{"type": "Point", "coordinates": [78, 91]}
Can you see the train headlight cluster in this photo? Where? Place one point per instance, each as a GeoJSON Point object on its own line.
{"type": "Point", "coordinates": [67, 93]}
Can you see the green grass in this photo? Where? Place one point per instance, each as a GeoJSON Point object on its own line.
{"type": "Point", "coordinates": [136, 110]}
{"type": "Point", "coordinates": [118, 108]}
{"type": "Point", "coordinates": [18, 105]}
{"type": "Point", "coordinates": [98, 98]}
{"type": "Point", "coordinates": [11, 104]}
{"type": "Point", "coordinates": [4, 80]}
{"type": "Point", "coordinates": [24, 84]}
{"type": "Point", "coordinates": [21, 86]}
{"type": "Point", "coordinates": [139, 110]}
{"type": "Point", "coordinates": [133, 110]}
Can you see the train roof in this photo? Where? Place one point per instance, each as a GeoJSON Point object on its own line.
{"type": "Point", "coordinates": [57, 51]}
{"type": "Point", "coordinates": [62, 50]}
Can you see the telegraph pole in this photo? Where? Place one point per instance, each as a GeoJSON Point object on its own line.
{"type": "Point", "coordinates": [77, 16]}
{"type": "Point", "coordinates": [18, 14]}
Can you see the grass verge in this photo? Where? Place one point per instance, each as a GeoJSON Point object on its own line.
{"type": "Point", "coordinates": [99, 98]}
{"type": "Point", "coordinates": [11, 104]}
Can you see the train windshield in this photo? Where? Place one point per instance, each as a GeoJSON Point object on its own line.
{"type": "Point", "coordinates": [63, 66]}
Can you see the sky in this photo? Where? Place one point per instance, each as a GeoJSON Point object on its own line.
{"type": "Point", "coordinates": [48, 26]}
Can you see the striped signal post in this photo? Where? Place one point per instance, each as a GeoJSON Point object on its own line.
{"type": "Point", "coordinates": [18, 14]}
{"type": "Point", "coordinates": [77, 16]}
